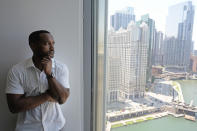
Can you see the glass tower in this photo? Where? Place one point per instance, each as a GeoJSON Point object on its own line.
{"type": "Point", "coordinates": [122, 18]}
{"type": "Point", "coordinates": [179, 26]}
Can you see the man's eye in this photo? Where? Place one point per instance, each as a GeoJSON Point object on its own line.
{"type": "Point", "coordinates": [44, 43]}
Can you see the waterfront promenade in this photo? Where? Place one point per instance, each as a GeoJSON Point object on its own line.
{"type": "Point", "coordinates": [176, 108]}
{"type": "Point", "coordinates": [137, 119]}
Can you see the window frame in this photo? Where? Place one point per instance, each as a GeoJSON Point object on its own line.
{"type": "Point", "coordinates": [94, 39]}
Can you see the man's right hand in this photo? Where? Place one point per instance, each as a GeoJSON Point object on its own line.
{"type": "Point", "coordinates": [19, 103]}
{"type": "Point", "coordinates": [50, 98]}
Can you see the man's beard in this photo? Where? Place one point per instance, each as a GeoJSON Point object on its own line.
{"type": "Point", "coordinates": [49, 54]}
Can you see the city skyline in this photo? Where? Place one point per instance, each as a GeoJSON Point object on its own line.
{"type": "Point", "coordinates": [144, 60]}
{"type": "Point", "coordinates": [178, 43]}
{"type": "Point", "coordinates": [122, 18]}
{"type": "Point", "coordinates": [157, 11]}
{"type": "Point", "coordinates": [124, 47]}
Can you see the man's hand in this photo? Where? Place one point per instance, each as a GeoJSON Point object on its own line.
{"type": "Point", "coordinates": [19, 103]}
{"type": "Point", "coordinates": [56, 91]}
{"type": "Point", "coordinates": [47, 65]}
{"type": "Point", "coordinates": [51, 97]}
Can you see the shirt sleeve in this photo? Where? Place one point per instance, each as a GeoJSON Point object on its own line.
{"type": "Point", "coordinates": [13, 84]}
{"type": "Point", "coordinates": [64, 77]}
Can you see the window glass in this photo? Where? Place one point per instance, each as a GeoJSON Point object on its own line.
{"type": "Point", "coordinates": [151, 65]}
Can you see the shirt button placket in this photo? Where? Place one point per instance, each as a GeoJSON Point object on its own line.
{"type": "Point", "coordinates": [41, 89]}
{"type": "Point", "coordinates": [41, 106]}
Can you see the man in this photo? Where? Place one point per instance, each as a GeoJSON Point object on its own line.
{"type": "Point", "coordinates": [36, 87]}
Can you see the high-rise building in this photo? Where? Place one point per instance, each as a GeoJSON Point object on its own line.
{"type": "Point", "coordinates": [127, 57]}
{"type": "Point", "coordinates": [171, 51]}
{"type": "Point", "coordinates": [179, 25]}
{"type": "Point", "coordinates": [195, 52]}
{"type": "Point", "coordinates": [158, 49]}
{"type": "Point", "coordinates": [193, 63]}
{"type": "Point", "coordinates": [122, 18]}
{"type": "Point", "coordinates": [113, 78]}
{"type": "Point", "coordinates": [151, 25]}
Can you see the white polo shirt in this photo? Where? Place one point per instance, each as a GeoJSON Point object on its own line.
{"type": "Point", "coordinates": [25, 78]}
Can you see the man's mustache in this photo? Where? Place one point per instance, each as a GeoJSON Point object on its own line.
{"type": "Point", "coordinates": [51, 52]}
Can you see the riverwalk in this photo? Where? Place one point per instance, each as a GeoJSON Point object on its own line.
{"type": "Point", "coordinates": [136, 120]}
{"type": "Point", "coordinates": [189, 91]}
{"type": "Point", "coordinates": [160, 97]}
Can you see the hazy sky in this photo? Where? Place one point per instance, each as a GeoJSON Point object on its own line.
{"type": "Point", "coordinates": [157, 10]}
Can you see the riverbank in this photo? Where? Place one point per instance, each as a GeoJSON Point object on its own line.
{"type": "Point", "coordinates": [137, 119]}
{"type": "Point", "coordinates": [167, 123]}
{"type": "Point", "coordinates": [162, 99]}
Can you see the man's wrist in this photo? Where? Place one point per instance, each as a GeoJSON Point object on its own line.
{"type": "Point", "coordinates": [49, 76]}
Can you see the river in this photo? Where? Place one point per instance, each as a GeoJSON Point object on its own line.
{"type": "Point", "coordinates": [169, 123]}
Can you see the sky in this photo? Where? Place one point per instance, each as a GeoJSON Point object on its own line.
{"type": "Point", "coordinates": [157, 10]}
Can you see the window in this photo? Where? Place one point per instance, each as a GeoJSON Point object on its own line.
{"type": "Point", "coordinates": [144, 65]}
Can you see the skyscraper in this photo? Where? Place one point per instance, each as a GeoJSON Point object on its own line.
{"type": "Point", "coordinates": [151, 25]}
{"type": "Point", "coordinates": [179, 24]}
{"type": "Point", "coordinates": [158, 49]}
{"type": "Point", "coordinates": [127, 57]}
{"type": "Point", "coordinates": [114, 89]}
{"type": "Point", "coordinates": [122, 18]}
{"type": "Point", "coordinates": [171, 51]}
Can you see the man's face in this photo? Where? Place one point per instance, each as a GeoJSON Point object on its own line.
{"type": "Point", "coordinates": [45, 47]}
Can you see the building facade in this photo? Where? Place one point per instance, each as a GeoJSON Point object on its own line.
{"type": "Point", "coordinates": [127, 58]}
{"type": "Point", "coordinates": [179, 26]}
{"type": "Point", "coordinates": [122, 18]}
{"type": "Point", "coordinates": [151, 56]}
{"type": "Point", "coordinates": [158, 49]}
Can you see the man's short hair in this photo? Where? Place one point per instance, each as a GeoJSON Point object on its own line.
{"type": "Point", "coordinates": [34, 37]}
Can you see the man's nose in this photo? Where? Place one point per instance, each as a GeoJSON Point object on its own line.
{"type": "Point", "coordinates": [51, 46]}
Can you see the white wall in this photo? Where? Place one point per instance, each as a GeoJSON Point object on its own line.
{"type": "Point", "coordinates": [63, 18]}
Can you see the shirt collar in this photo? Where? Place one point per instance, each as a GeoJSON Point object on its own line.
{"type": "Point", "coordinates": [31, 64]}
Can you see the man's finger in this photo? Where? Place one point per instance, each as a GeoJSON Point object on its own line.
{"type": "Point", "coordinates": [44, 62]}
{"type": "Point", "coordinates": [45, 59]}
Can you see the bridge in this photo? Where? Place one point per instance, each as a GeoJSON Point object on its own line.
{"type": "Point", "coordinates": [172, 75]}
